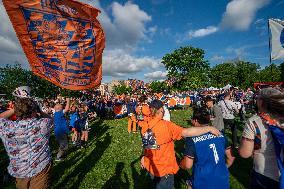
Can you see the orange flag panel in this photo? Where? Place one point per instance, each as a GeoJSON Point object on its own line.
{"type": "Point", "coordinates": [62, 40]}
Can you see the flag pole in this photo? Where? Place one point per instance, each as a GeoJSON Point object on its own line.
{"type": "Point", "coordinates": [270, 59]}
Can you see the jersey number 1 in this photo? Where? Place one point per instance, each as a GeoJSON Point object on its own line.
{"type": "Point", "coordinates": [216, 157]}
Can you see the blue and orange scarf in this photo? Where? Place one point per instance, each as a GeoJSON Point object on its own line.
{"type": "Point", "coordinates": [277, 131]}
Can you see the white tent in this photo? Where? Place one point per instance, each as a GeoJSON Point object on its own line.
{"type": "Point", "coordinates": [227, 87]}
{"type": "Point", "coordinates": [213, 89]}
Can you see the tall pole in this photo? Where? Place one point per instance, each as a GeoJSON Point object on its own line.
{"type": "Point", "coordinates": [270, 60]}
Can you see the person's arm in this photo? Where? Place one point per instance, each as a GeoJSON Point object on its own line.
{"type": "Point", "coordinates": [229, 157]}
{"type": "Point", "coordinates": [189, 154]}
{"type": "Point", "coordinates": [66, 109]}
{"type": "Point", "coordinates": [7, 113]}
{"type": "Point", "coordinates": [186, 163]}
{"type": "Point", "coordinates": [246, 148]}
{"type": "Point", "coordinates": [247, 143]}
{"type": "Point", "coordinates": [196, 131]}
{"type": "Point", "coordinates": [142, 164]}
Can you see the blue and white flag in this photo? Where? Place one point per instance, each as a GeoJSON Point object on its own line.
{"type": "Point", "coordinates": [277, 38]}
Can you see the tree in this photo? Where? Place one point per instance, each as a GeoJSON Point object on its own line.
{"type": "Point", "coordinates": [157, 86]}
{"type": "Point", "coordinates": [282, 71]}
{"type": "Point", "coordinates": [12, 77]}
{"type": "Point", "coordinates": [270, 73]}
{"type": "Point", "coordinates": [247, 74]}
{"type": "Point", "coordinates": [188, 67]}
{"type": "Point", "coordinates": [223, 74]}
{"type": "Point", "coordinates": [122, 89]}
{"type": "Point", "coordinates": [239, 73]}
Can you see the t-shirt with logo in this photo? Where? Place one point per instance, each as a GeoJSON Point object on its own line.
{"type": "Point", "coordinates": [209, 167]}
{"type": "Point", "coordinates": [158, 138]}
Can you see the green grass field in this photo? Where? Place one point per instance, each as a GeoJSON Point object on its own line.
{"type": "Point", "coordinates": [112, 157]}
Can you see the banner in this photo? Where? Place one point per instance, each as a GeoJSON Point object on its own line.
{"type": "Point", "coordinates": [277, 38]}
{"type": "Point", "coordinates": [62, 39]}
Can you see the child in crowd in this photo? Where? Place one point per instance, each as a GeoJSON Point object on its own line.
{"type": "Point", "coordinates": [74, 123]}
{"type": "Point", "coordinates": [84, 124]}
{"type": "Point", "coordinates": [60, 128]}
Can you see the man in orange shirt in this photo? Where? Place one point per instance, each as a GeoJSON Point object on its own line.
{"type": "Point", "coordinates": [142, 111]}
{"type": "Point", "coordinates": [158, 138]}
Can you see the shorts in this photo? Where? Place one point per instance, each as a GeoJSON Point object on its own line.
{"type": "Point", "coordinates": [85, 126]}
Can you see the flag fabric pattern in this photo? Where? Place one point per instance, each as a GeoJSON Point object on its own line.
{"type": "Point", "coordinates": [277, 38]}
{"type": "Point", "coordinates": [62, 39]}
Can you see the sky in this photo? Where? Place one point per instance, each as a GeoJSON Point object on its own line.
{"type": "Point", "coordinates": [140, 32]}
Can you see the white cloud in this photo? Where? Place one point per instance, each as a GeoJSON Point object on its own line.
{"type": "Point", "coordinates": [124, 26]}
{"type": "Point", "coordinates": [241, 13]}
{"type": "Point", "coordinates": [202, 32]}
{"type": "Point", "coordinates": [217, 58]}
{"type": "Point", "coordinates": [120, 63]}
{"type": "Point", "coordinates": [243, 51]}
{"type": "Point", "coordinates": [157, 75]}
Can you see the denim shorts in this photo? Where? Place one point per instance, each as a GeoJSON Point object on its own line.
{"type": "Point", "coordinates": [165, 182]}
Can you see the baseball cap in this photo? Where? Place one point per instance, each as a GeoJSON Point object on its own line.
{"type": "Point", "coordinates": [157, 104]}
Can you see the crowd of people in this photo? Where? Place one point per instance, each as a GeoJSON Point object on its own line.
{"type": "Point", "coordinates": [26, 125]}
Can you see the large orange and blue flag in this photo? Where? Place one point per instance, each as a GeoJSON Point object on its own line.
{"type": "Point", "coordinates": [62, 40]}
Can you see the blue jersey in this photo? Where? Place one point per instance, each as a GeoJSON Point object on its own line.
{"type": "Point", "coordinates": [209, 167]}
{"type": "Point", "coordinates": [60, 123]}
{"type": "Point", "coordinates": [74, 120]}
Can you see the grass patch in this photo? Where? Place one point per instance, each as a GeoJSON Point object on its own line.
{"type": "Point", "coordinates": [112, 160]}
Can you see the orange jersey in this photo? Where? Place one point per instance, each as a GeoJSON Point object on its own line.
{"type": "Point", "coordinates": [145, 111]}
{"type": "Point", "coordinates": [162, 161]}
{"type": "Point", "coordinates": [187, 100]}
{"type": "Point", "coordinates": [172, 102]}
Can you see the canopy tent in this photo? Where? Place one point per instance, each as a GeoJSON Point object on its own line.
{"type": "Point", "coordinates": [213, 89]}
{"type": "Point", "coordinates": [227, 87]}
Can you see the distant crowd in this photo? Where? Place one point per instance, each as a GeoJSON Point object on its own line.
{"type": "Point", "coordinates": [26, 124]}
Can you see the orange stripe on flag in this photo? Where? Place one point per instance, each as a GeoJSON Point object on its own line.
{"type": "Point", "coordinates": [62, 40]}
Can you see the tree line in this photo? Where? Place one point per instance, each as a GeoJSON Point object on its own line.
{"type": "Point", "coordinates": [187, 70]}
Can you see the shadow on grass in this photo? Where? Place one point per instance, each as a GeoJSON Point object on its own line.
{"type": "Point", "coordinates": [116, 181]}
{"type": "Point", "coordinates": [241, 170]}
{"type": "Point", "coordinates": [141, 179]}
{"type": "Point", "coordinates": [82, 161]}
{"type": "Point", "coordinates": [6, 181]}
